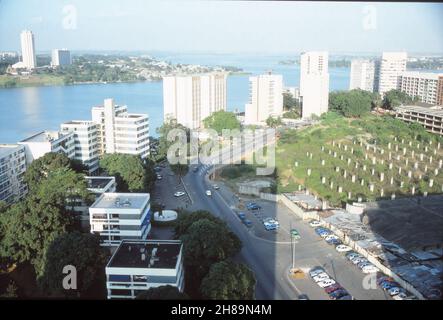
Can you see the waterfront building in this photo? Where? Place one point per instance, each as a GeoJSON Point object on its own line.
{"type": "Point", "coordinates": [362, 75]}
{"type": "Point", "coordinates": [314, 83]}
{"type": "Point", "coordinates": [12, 169]}
{"type": "Point", "coordinates": [85, 142]}
{"type": "Point", "coordinates": [189, 99]}
{"type": "Point", "coordinates": [44, 142]}
{"type": "Point", "coordinates": [120, 216]}
{"type": "Point", "coordinates": [120, 131]}
{"type": "Point", "coordinates": [428, 87]}
{"type": "Point", "coordinates": [137, 266]}
{"type": "Point", "coordinates": [265, 98]}
{"type": "Point", "coordinates": [392, 65]}
{"type": "Point", "coordinates": [28, 49]}
{"type": "Point", "coordinates": [60, 57]}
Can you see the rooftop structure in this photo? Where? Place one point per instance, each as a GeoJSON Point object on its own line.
{"type": "Point", "coordinates": [429, 117]}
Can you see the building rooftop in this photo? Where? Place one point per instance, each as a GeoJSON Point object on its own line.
{"type": "Point", "coordinates": [115, 200]}
{"type": "Point", "coordinates": [5, 149]}
{"type": "Point", "coordinates": [305, 201]}
{"type": "Point", "coordinates": [434, 111]}
{"type": "Point", "coordinates": [98, 182]}
{"type": "Point", "coordinates": [77, 122]}
{"type": "Point", "coordinates": [158, 254]}
{"type": "Point", "coordinates": [44, 136]}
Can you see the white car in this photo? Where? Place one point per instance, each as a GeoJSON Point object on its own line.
{"type": "Point", "coordinates": [370, 269]}
{"type": "Point", "coordinates": [208, 193]}
{"type": "Point", "coordinates": [179, 194]}
{"type": "Point", "coordinates": [316, 272]}
{"type": "Point", "coordinates": [359, 260]}
{"type": "Point", "coordinates": [343, 248]}
{"type": "Point", "coordinates": [326, 283]}
{"type": "Point", "coordinates": [216, 187]}
{"type": "Point", "coordinates": [330, 237]}
{"type": "Point", "coordinates": [315, 223]}
{"type": "Point", "coordinates": [394, 291]}
{"type": "Point", "coordinates": [403, 296]}
{"type": "Point", "coordinates": [321, 277]}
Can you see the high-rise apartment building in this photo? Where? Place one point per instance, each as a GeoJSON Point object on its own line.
{"type": "Point", "coordinates": [12, 169]}
{"type": "Point", "coordinates": [85, 142]}
{"type": "Point", "coordinates": [28, 49]}
{"type": "Point", "coordinates": [189, 99]}
{"type": "Point", "coordinates": [362, 75]}
{"type": "Point", "coordinates": [423, 85]}
{"type": "Point", "coordinates": [391, 66]}
{"type": "Point", "coordinates": [60, 57]}
{"type": "Point", "coordinates": [120, 131]}
{"type": "Point", "coordinates": [314, 83]}
{"type": "Point", "coordinates": [265, 98]}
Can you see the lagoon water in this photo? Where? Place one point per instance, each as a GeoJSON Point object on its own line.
{"type": "Point", "coordinates": [25, 111]}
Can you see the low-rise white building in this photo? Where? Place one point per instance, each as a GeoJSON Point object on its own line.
{"type": "Point", "coordinates": [12, 169]}
{"type": "Point", "coordinates": [120, 131]}
{"type": "Point", "coordinates": [85, 142]}
{"type": "Point", "coordinates": [44, 142]}
{"type": "Point", "coordinates": [137, 266]}
{"type": "Point", "coordinates": [120, 216]}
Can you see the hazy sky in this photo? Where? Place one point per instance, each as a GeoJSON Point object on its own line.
{"type": "Point", "coordinates": [223, 26]}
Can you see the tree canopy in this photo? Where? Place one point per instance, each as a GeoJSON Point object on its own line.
{"type": "Point", "coordinates": [129, 171]}
{"type": "Point", "coordinates": [162, 293]}
{"type": "Point", "coordinates": [163, 143]}
{"type": "Point", "coordinates": [228, 280]}
{"type": "Point", "coordinates": [81, 250]}
{"type": "Point", "coordinates": [186, 219]}
{"type": "Point", "coordinates": [353, 104]}
{"type": "Point", "coordinates": [273, 122]}
{"type": "Point", "coordinates": [395, 98]}
{"type": "Point", "coordinates": [222, 120]}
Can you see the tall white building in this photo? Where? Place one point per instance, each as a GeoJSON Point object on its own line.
{"type": "Point", "coordinates": [314, 83]}
{"type": "Point", "coordinates": [362, 75]}
{"type": "Point", "coordinates": [120, 131]}
{"type": "Point", "coordinates": [265, 98]}
{"type": "Point", "coordinates": [137, 266]}
{"type": "Point", "coordinates": [60, 57]}
{"type": "Point", "coordinates": [12, 169]}
{"type": "Point", "coordinates": [392, 65]}
{"type": "Point", "coordinates": [28, 49]}
{"type": "Point", "coordinates": [85, 142]}
{"type": "Point", "coordinates": [426, 86]}
{"type": "Point", "coordinates": [44, 142]}
{"type": "Point", "coordinates": [120, 216]}
{"type": "Point", "coordinates": [189, 99]}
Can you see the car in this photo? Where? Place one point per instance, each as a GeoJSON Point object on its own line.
{"type": "Point", "coordinates": [370, 269]}
{"type": "Point", "coordinates": [364, 264]}
{"type": "Point", "coordinates": [270, 226]}
{"type": "Point", "coordinates": [253, 206]}
{"type": "Point", "coordinates": [208, 193]}
{"type": "Point", "coordinates": [241, 215]}
{"type": "Point", "coordinates": [343, 248]}
{"type": "Point", "coordinates": [326, 283]}
{"type": "Point", "coordinates": [270, 220]}
{"type": "Point", "coordinates": [359, 260]}
{"type": "Point", "coordinates": [247, 222]}
{"type": "Point", "coordinates": [303, 297]}
{"type": "Point", "coordinates": [346, 297]}
{"type": "Point", "coordinates": [338, 294]}
{"type": "Point", "coordinates": [352, 254]}
{"type": "Point", "coordinates": [394, 291]}
{"type": "Point", "coordinates": [157, 169]}
{"type": "Point", "coordinates": [331, 237]}
{"type": "Point", "coordinates": [159, 177]}
{"type": "Point", "coordinates": [386, 285]}
{"type": "Point", "coordinates": [332, 288]}
{"type": "Point", "coordinates": [315, 271]}
{"type": "Point", "coordinates": [324, 234]}
{"type": "Point", "coordinates": [319, 230]}
{"type": "Point", "coordinates": [315, 223]}
{"type": "Point", "coordinates": [195, 169]}
{"type": "Point", "coordinates": [334, 242]}
{"type": "Point", "coordinates": [179, 194]}
{"type": "Point", "coordinates": [384, 278]}
{"type": "Point", "coordinates": [295, 235]}
{"type": "Point", "coordinates": [321, 277]}
{"type": "Point", "coordinates": [216, 187]}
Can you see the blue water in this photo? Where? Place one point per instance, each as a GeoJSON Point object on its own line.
{"type": "Point", "coordinates": [25, 111]}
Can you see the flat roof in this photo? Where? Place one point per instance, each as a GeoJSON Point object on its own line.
{"type": "Point", "coordinates": [98, 182]}
{"type": "Point", "coordinates": [434, 111]}
{"type": "Point", "coordinates": [118, 200]}
{"type": "Point", "coordinates": [84, 122]}
{"type": "Point", "coordinates": [43, 136]}
{"type": "Point", "coordinates": [6, 149]}
{"type": "Point", "coordinates": [158, 254]}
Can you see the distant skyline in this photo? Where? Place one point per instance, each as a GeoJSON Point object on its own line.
{"type": "Point", "coordinates": [223, 26]}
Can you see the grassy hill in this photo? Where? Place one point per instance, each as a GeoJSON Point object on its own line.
{"type": "Point", "coordinates": [317, 158]}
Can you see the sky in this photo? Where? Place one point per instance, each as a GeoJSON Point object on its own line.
{"type": "Point", "coordinates": [223, 26]}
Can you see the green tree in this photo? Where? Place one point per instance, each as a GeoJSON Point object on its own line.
{"type": "Point", "coordinates": [354, 103]}
{"type": "Point", "coordinates": [289, 102]}
{"type": "Point", "coordinates": [222, 120]}
{"type": "Point", "coordinates": [273, 122]}
{"type": "Point", "coordinates": [162, 293]}
{"type": "Point", "coordinates": [129, 171]}
{"type": "Point", "coordinates": [228, 280]}
{"type": "Point", "coordinates": [395, 98]}
{"type": "Point", "coordinates": [81, 250]}
{"type": "Point", "coordinates": [186, 219]}
{"type": "Point", "coordinates": [163, 131]}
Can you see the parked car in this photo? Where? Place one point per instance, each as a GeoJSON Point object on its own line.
{"type": "Point", "coordinates": [346, 297]}
{"type": "Point", "coordinates": [386, 285]}
{"type": "Point", "coordinates": [326, 283]}
{"type": "Point", "coordinates": [159, 177]}
{"type": "Point", "coordinates": [208, 193]}
{"type": "Point", "coordinates": [352, 254]}
{"type": "Point", "coordinates": [382, 278]}
{"type": "Point", "coordinates": [363, 264]}
{"type": "Point", "coordinates": [359, 260]}
{"type": "Point", "coordinates": [195, 169]}
{"type": "Point", "coordinates": [334, 242]}
{"type": "Point", "coordinates": [395, 290]}
{"type": "Point", "coordinates": [321, 277]}
{"type": "Point", "coordinates": [241, 215]}
{"type": "Point", "coordinates": [295, 235]}
{"type": "Point", "coordinates": [316, 271]}
{"type": "Point", "coordinates": [303, 297]}
{"type": "Point", "coordinates": [338, 294]}
{"type": "Point", "coordinates": [343, 248]}
{"type": "Point", "coordinates": [216, 187]}
{"type": "Point", "coordinates": [179, 194]}
{"type": "Point", "coordinates": [319, 230]}
{"type": "Point", "coordinates": [314, 223]}
{"type": "Point", "coordinates": [403, 296]}
{"type": "Point", "coordinates": [247, 222]}
{"type": "Point", "coordinates": [331, 237]}
{"type": "Point", "coordinates": [370, 269]}
{"type": "Point", "coordinates": [252, 206]}
{"type": "Point", "coordinates": [332, 288]}
{"type": "Point", "coordinates": [270, 226]}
